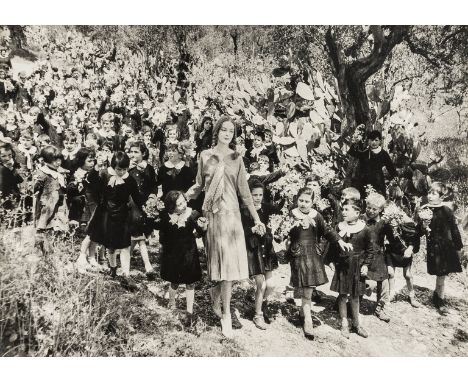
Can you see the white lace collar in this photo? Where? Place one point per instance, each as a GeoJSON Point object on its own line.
{"type": "Point", "coordinates": [346, 229]}
{"type": "Point", "coordinates": [177, 166]}
{"type": "Point", "coordinates": [180, 220]}
{"type": "Point", "coordinates": [301, 215]}
{"type": "Point", "coordinates": [140, 166]}
{"type": "Point", "coordinates": [70, 154]}
{"type": "Point", "coordinates": [428, 205]}
{"type": "Point", "coordinates": [377, 150]}
{"type": "Point", "coordinates": [54, 174]}
{"type": "Point", "coordinates": [115, 179]}
{"type": "Point", "coordinates": [11, 127]}
{"type": "Point", "coordinates": [257, 150]}
{"type": "Point", "coordinates": [106, 134]}
{"type": "Point", "coordinates": [31, 151]}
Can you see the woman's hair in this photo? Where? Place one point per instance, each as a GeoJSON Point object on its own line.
{"type": "Point", "coordinates": [120, 159]}
{"type": "Point", "coordinates": [170, 201]}
{"type": "Point", "coordinates": [142, 147]}
{"type": "Point", "coordinates": [356, 204]}
{"type": "Point", "coordinates": [82, 155]}
{"type": "Point", "coordinates": [202, 124]}
{"type": "Point", "coordinates": [255, 183]}
{"type": "Point", "coordinates": [217, 127]}
{"type": "Point", "coordinates": [439, 187]}
{"type": "Point", "coordinates": [306, 191]}
{"type": "Point", "coordinates": [51, 153]}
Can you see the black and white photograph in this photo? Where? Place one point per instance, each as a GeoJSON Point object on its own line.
{"type": "Point", "coordinates": [233, 190]}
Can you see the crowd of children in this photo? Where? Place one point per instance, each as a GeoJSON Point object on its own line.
{"type": "Point", "coordinates": [88, 149]}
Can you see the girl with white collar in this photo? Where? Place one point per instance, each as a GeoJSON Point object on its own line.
{"type": "Point", "coordinates": [444, 244]}
{"type": "Point", "coordinates": [307, 266]}
{"type": "Point", "coordinates": [351, 267]}
{"type": "Point", "coordinates": [180, 263]}
{"type": "Point", "coordinates": [175, 173]}
{"type": "Point", "coordinates": [109, 225]}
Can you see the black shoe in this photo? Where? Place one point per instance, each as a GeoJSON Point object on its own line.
{"type": "Point", "coordinates": [129, 284]}
{"type": "Point", "coordinates": [436, 300]}
{"type": "Point", "coordinates": [316, 297]}
{"type": "Point", "coordinates": [151, 275]}
{"type": "Point", "coordinates": [442, 307]}
{"type": "Point", "coordinates": [113, 272]}
{"type": "Point", "coordinates": [236, 324]}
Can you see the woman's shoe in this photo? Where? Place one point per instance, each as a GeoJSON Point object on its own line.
{"type": "Point", "coordinates": [345, 331]}
{"type": "Point", "coordinates": [259, 322]}
{"type": "Point", "coordinates": [113, 272]}
{"type": "Point", "coordinates": [308, 329]}
{"type": "Point", "coordinates": [360, 331]}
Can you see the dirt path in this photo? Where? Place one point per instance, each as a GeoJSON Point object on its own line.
{"type": "Point", "coordinates": [411, 332]}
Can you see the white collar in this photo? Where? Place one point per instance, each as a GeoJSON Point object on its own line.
{"type": "Point", "coordinates": [258, 150]}
{"type": "Point", "coordinates": [106, 134]}
{"type": "Point", "coordinates": [11, 128]}
{"type": "Point", "coordinates": [31, 151]}
{"type": "Point", "coordinates": [260, 172]}
{"type": "Point", "coordinates": [301, 215]}
{"type": "Point", "coordinates": [346, 229]}
{"type": "Point", "coordinates": [115, 179]}
{"type": "Point", "coordinates": [181, 219]}
{"type": "Point", "coordinates": [140, 166]}
{"type": "Point", "coordinates": [177, 166]}
{"type": "Point", "coordinates": [54, 174]}
{"type": "Point", "coordinates": [70, 154]}
{"type": "Point", "coordinates": [377, 150]}
{"type": "Point", "coordinates": [432, 205]}
{"type": "Point", "coordinates": [80, 174]}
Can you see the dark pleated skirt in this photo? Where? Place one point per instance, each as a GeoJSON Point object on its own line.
{"type": "Point", "coordinates": [347, 278]}
{"type": "Point", "coordinates": [307, 267]}
{"type": "Point", "coordinates": [378, 270]}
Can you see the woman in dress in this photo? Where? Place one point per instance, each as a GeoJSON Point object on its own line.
{"type": "Point", "coordinates": [222, 175]}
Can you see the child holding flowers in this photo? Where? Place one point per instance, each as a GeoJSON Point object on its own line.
{"type": "Point", "coordinates": [403, 242]}
{"type": "Point", "coordinates": [180, 263]}
{"type": "Point", "coordinates": [444, 243]}
{"type": "Point", "coordinates": [351, 267]}
{"type": "Point", "coordinates": [307, 266]}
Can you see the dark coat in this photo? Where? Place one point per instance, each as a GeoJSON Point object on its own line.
{"type": "Point", "coordinates": [370, 169]}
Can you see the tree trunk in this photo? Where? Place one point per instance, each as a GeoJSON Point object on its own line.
{"type": "Point", "coordinates": [352, 75]}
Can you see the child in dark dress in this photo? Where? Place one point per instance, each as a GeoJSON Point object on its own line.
{"type": "Point", "coordinates": [109, 225]}
{"type": "Point", "coordinates": [175, 174]}
{"type": "Point", "coordinates": [444, 243]}
{"type": "Point", "coordinates": [260, 254]}
{"type": "Point", "coordinates": [351, 267]}
{"type": "Point", "coordinates": [378, 269]}
{"type": "Point", "coordinates": [145, 178]}
{"type": "Point", "coordinates": [371, 161]}
{"type": "Point", "coordinates": [180, 263]}
{"type": "Point", "coordinates": [307, 266]}
{"type": "Point", "coordinates": [71, 144]}
{"type": "Point", "coordinates": [83, 199]}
